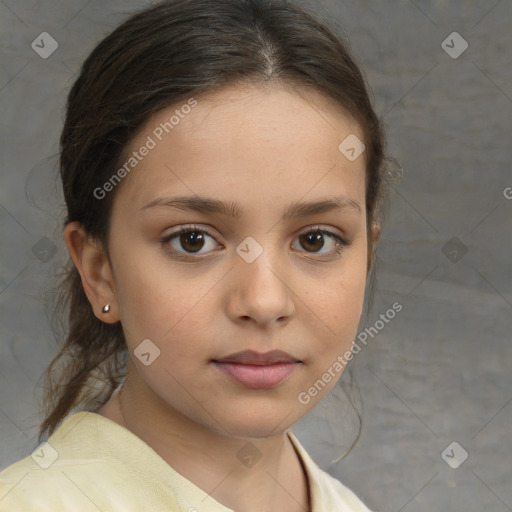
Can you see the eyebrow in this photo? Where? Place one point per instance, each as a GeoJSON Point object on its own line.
{"type": "Point", "coordinates": [232, 208]}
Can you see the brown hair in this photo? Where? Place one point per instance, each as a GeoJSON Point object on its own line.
{"type": "Point", "coordinates": [161, 56]}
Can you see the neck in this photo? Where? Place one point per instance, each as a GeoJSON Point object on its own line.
{"type": "Point", "coordinates": [242, 474]}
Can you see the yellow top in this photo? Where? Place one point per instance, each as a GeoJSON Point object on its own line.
{"type": "Point", "coordinates": [91, 463]}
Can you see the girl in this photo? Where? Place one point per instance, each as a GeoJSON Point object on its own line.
{"type": "Point", "coordinates": [221, 167]}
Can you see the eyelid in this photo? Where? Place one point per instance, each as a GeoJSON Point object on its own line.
{"type": "Point", "coordinates": [185, 228]}
{"type": "Point", "coordinates": [307, 229]}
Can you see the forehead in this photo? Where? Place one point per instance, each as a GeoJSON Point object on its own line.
{"type": "Point", "coordinates": [261, 140]}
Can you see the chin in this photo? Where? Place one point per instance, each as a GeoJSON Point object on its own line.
{"type": "Point", "coordinates": [257, 422]}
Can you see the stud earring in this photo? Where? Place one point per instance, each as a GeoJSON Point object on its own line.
{"type": "Point", "coordinates": [106, 308]}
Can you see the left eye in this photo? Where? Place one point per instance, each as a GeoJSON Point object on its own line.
{"type": "Point", "coordinates": [192, 240]}
{"type": "Point", "coordinates": [316, 236]}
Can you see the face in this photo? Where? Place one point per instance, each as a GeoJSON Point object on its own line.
{"type": "Point", "coordinates": [256, 281]}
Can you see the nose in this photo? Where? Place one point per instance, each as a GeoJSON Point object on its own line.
{"type": "Point", "coordinates": [262, 289]}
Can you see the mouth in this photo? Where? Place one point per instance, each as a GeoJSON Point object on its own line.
{"type": "Point", "coordinates": [258, 371]}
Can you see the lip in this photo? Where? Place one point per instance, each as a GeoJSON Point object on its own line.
{"type": "Point", "coordinates": [256, 358]}
{"type": "Point", "coordinates": [255, 370]}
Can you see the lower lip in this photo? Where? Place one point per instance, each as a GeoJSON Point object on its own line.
{"type": "Point", "coordinates": [257, 376]}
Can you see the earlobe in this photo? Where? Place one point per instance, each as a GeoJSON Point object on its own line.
{"type": "Point", "coordinates": [94, 268]}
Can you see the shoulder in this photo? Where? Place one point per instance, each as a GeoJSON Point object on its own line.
{"type": "Point", "coordinates": [336, 494]}
{"type": "Point", "coordinates": [327, 493]}
{"type": "Point", "coordinates": [74, 471]}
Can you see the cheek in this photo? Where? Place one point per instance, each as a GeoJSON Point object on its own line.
{"type": "Point", "coordinates": [346, 293]}
{"type": "Point", "coordinates": [337, 311]}
{"type": "Point", "coordinates": [163, 307]}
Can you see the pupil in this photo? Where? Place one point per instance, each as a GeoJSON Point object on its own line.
{"type": "Point", "coordinates": [314, 237]}
{"type": "Point", "coordinates": [195, 237]}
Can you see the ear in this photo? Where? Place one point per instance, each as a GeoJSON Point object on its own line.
{"type": "Point", "coordinates": [375, 233]}
{"type": "Point", "coordinates": [92, 263]}
{"type": "Point", "coordinates": [375, 236]}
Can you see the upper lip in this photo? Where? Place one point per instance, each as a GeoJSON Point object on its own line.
{"type": "Point", "coordinates": [257, 358]}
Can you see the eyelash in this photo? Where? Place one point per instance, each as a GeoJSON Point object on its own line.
{"type": "Point", "coordinates": [340, 245]}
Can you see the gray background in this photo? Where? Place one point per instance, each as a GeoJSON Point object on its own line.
{"type": "Point", "coordinates": [439, 372]}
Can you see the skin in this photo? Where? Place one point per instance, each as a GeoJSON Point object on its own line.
{"type": "Point", "coordinates": [264, 146]}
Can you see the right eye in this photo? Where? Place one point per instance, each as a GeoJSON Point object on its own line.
{"type": "Point", "coordinates": [191, 239]}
